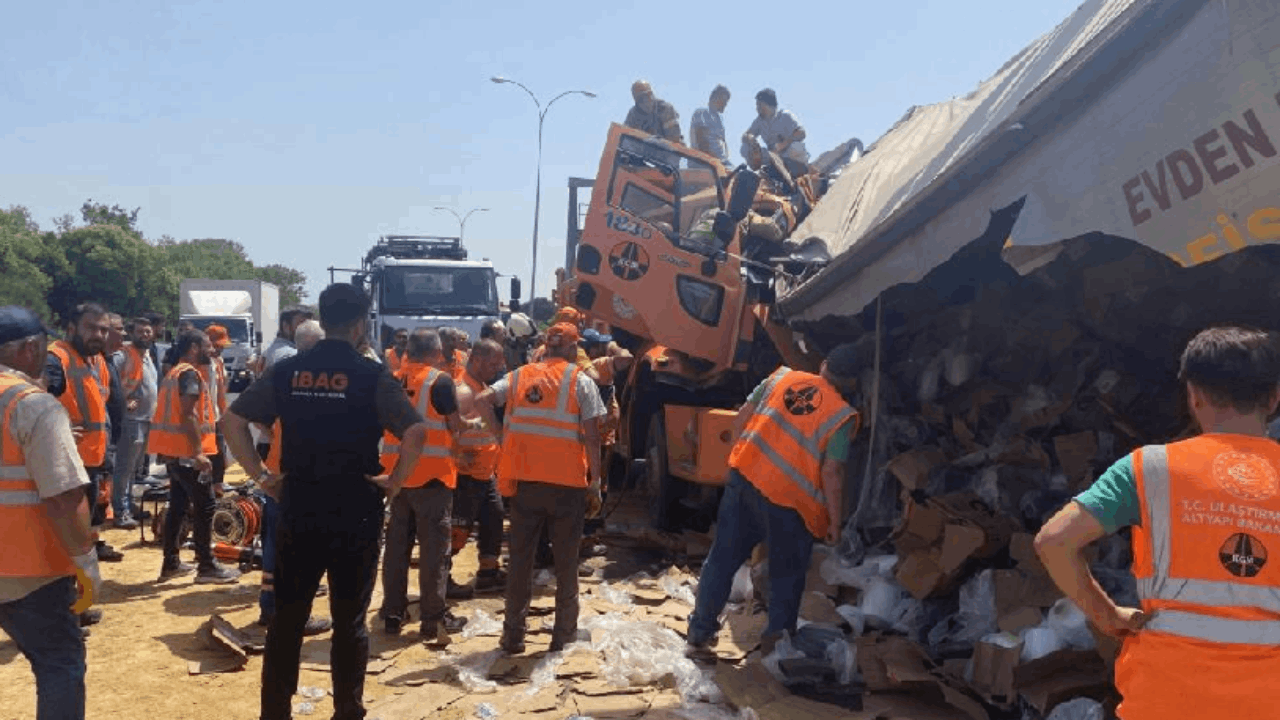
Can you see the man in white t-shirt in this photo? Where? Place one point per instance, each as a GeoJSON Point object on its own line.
{"type": "Point", "coordinates": [706, 129]}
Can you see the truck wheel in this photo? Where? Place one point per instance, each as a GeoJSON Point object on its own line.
{"type": "Point", "coordinates": [659, 484]}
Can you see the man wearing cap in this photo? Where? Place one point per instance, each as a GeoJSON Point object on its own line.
{"type": "Point", "coordinates": [550, 468]}
{"type": "Point", "coordinates": [781, 132]}
{"type": "Point", "coordinates": [44, 522]}
{"type": "Point", "coordinates": [786, 475]}
{"type": "Point", "coordinates": [214, 372]}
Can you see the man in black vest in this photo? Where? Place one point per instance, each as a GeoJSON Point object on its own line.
{"type": "Point", "coordinates": [333, 405]}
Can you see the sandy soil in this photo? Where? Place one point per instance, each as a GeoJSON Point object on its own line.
{"type": "Point", "coordinates": [138, 656]}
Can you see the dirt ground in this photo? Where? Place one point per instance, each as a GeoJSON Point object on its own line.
{"type": "Point", "coordinates": [139, 655]}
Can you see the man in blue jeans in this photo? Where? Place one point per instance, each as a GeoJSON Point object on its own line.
{"type": "Point", "coordinates": [786, 476]}
{"type": "Point", "coordinates": [44, 522]}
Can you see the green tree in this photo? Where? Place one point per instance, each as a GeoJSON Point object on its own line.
{"type": "Point", "coordinates": [99, 214]}
{"type": "Point", "coordinates": [21, 253]}
{"type": "Point", "coordinates": [291, 283]}
{"type": "Point", "coordinates": [105, 263]}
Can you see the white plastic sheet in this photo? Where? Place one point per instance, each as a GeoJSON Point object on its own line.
{"type": "Point", "coordinates": [482, 624]}
{"type": "Point", "coordinates": [1070, 624]}
{"type": "Point", "coordinates": [742, 587]}
{"type": "Point", "coordinates": [677, 590]}
{"type": "Point", "coordinates": [641, 653]}
{"type": "Point", "coordinates": [837, 572]}
{"type": "Point", "coordinates": [1081, 708]}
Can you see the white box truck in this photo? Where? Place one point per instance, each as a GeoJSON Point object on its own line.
{"type": "Point", "coordinates": [248, 309]}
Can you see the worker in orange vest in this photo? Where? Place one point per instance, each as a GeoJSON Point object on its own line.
{"type": "Point", "coordinates": [550, 468]}
{"type": "Point", "coordinates": [784, 489]}
{"type": "Point", "coordinates": [395, 354]}
{"type": "Point", "coordinates": [44, 522]}
{"type": "Point", "coordinates": [1205, 516]}
{"type": "Point", "coordinates": [455, 342]}
{"type": "Point", "coordinates": [183, 436]}
{"type": "Point", "coordinates": [76, 373]}
{"type": "Point", "coordinates": [476, 500]}
{"type": "Point", "coordinates": [424, 504]}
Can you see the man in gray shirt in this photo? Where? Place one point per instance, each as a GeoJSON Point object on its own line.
{"type": "Point", "coordinates": [654, 116]}
{"type": "Point", "coordinates": [283, 346]}
{"type": "Point", "coordinates": [706, 130]}
{"type": "Point", "coordinates": [781, 132]}
{"type": "Point", "coordinates": [139, 381]}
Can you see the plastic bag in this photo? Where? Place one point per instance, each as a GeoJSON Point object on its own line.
{"type": "Point", "coordinates": [677, 590]}
{"type": "Point", "coordinates": [485, 711]}
{"type": "Point", "coordinates": [816, 643]}
{"type": "Point", "coordinates": [1039, 641]}
{"type": "Point", "coordinates": [312, 693]}
{"type": "Point", "coordinates": [474, 674]}
{"type": "Point", "coordinates": [1069, 623]}
{"type": "Point", "coordinates": [612, 594]}
{"type": "Point", "coordinates": [836, 572]}
{"type": "Point", "coordinates": [977, 617]}
{"type": "Point", "coordinates": [544, 673]}
{"type": "Point", "coordinates": [641, 653]}
{"type": "Point", "coordinates": [304, 708]}
{"type": "Point", "coordinates": [853, 616]}
{"type": "Point", "coordinates": [742, 587]}
{"type": "Point", "coordinates": [1081, 708]}
{"type": "Point", "coordinates": [880, 603]}
{"type": "Point", "coordinates": [784, 649]}
{"type": "Point", "coordinates": [544, 578]}
{"type": "Point", "coordinates": [482, 624]}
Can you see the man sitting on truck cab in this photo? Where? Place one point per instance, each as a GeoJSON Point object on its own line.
{"type": "Point", "coordinates": [786, 474]}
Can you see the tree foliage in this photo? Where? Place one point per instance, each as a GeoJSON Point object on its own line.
{"type": "Point", "coordinates": [108, 261]}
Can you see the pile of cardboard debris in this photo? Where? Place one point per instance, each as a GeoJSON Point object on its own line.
{"type": "Point", "coordinates": [999, 398]}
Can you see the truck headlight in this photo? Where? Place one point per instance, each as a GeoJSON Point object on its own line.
{"type": "Point", "coordinates": [702, 300]}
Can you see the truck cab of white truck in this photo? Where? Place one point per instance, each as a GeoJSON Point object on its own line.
{"type": "Point", "coordinates": [419, 281]}
{"type": "Point", "coordinates": [248, 309]}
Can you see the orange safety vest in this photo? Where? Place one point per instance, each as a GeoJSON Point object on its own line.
{"type": "Point", "coordinates": [481, 446]}
{"type": "Point", "coordinates": [272, 462]}
{"type": "Point", "coordinates": [780, 451]}
{"type": "Point", "coordinates": [167, 436]}
{"type": "Point", "coordinates": [131, 373]}
{"type": "Point", "coordinates": [542, 431]}
{"type": "Point", "coordinates": [436, 461]}
{"type": "Point", "coordinates": [85, 398]}
{"type": "Point", "coordinates": [31, 547]}
{"type": "Point", "coordinates": [1210, 521]}
{"type": "Point", "coordinates": [393, 360]}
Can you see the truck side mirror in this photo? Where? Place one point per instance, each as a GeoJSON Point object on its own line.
{"type": "Point", "coordinates": [515, 289]}
{"type": "Point", "coordinates": [514, 305]}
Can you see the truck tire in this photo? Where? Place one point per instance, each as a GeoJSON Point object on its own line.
{"type": "Point", "coordinates": [661, 487]}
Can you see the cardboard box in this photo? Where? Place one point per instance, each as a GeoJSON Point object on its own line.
{"type": "Point", "coordinates": [912, 468]}
{"type": "Point", "coordinates": [993, 669]}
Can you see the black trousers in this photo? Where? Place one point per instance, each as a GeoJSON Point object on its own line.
{"type": "Point", "coordinates": [186, 489]}
{"type": "Point", "coordinates": [345, 545]}
{"type": "Point", "coordinates": [478, 502]}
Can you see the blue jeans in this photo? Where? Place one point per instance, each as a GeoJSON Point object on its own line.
{"type": "Point", "coordinates": [267, 594]}
{"type": "Point", "coordinates": [48, 634]}
{"type": "Point", "coordinates": [130, 451]}
{"type": "Point", "coordinates": [746, 518]}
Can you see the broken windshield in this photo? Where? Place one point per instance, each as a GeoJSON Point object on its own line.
{"type": "Point", "coordinates": [667, 190]}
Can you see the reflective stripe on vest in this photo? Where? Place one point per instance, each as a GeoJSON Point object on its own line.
{"type": "Point", "coordinates": [168, 436]}
{"type": "Point", "coordinates": [1161, 586]}
{"type": "Point", "coordinates": [543, 440]}
{"type": "Point", "coordinates": [77, 371]}
{"type": "Point", "coordinates": [436, 425]}
{"type": "Point", "coordinates": [131, 373]}
{"type": "Point", "coordinates": [31, 546]}
{"type": "Point", "coordinates": [561, 414]}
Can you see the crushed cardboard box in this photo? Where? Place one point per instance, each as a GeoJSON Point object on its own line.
{"type": "Point", "coordinates": [937, 538]}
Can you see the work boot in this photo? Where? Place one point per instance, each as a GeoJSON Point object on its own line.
{"type": "Point", "coordinates": [510, 645]}
{"type": "Point", "coordinates": [217, 574]}
{"type": "Point", "coordinates": [173, 567]}
{"type": "Point", "coordinates": [491, 580]}
{"type": "Point", "coordinates": [106, 553]}
{"type": "Point", "coordinates": [392, 624]}
{"type": "Point", "coordinates": [435, 634]}
{"type": "Point", "coordinates": [454, 591]}
{"type": "Point", "coordinates": [126, 522]}
{"type": "Point", "coordinates": [580, 635]}
{"type": "Point", "coordinates": [92, 616]}
{"type": "Point", "coordinates": [314, 626]}
{"type": "Point", "coordinates": [452, 623]}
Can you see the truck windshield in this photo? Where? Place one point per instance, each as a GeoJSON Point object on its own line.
{"type": "Point", "coordinates": [237, 328]}
{"type": "Point", "coordinates": [410, 290]}
{"type": "Point", "coordinates": [667, 190]}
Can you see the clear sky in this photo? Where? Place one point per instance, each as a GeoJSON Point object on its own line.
{"type": "Point", "coordinates": [305, 130]}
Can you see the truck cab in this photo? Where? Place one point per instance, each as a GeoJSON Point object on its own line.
{"type": "Point", "coordinates": [419, 281]}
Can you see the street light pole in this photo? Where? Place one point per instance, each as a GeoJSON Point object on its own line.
{"type": "Point", "coordinates": [537, 193]}
{"type": "Point", "coordinates": [462, 219]}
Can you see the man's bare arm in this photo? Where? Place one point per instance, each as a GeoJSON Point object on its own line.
{"type": "Point", "coordinates": [833, 488]}
{"type": "Point", "coordinates": [69, 514]}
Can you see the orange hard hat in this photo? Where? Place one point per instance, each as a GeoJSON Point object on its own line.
{"type": "Point", "coordinates": [562, 334]}
{"type": "Point", "coordinates": [218, 335]}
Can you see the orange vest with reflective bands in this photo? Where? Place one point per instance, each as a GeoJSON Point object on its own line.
{"type": "Point", "coordinates": [131, 373]}
{"type": "Point", "coordinates": [780, 451]}
{"type": "Point", "coordinates": [393, 360]}
{"type": "Point", "coordinates": [85, 398]}
{"type": "Point", "coordinates": [220, 376]}
{"type": "Point", "coordinates": [542, 431]}
{"type": "Point", "coordinates": [31, 547]}
{"type": "Point", "coordinates": [167, 436]}
{"type": "Point", "coordinates": [478, 449]}
{"type": "Point", "coordinates": [1210, 521]}
{"type": "Point", "coordinates": [272, 462]}
{"type": "Point", "coordinates": [436, 461]}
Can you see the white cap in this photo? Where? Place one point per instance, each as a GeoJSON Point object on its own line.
{"type": "Point", "coordinates": [520, 326]}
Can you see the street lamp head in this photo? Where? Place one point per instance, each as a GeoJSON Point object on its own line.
{"type": "Point", "coordinates": [498, 79]}
{"type": "Point", "coordinates": [588, 94]}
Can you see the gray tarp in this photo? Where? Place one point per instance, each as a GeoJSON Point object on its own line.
{"type": "Point", "coordinates": [1156, 121]}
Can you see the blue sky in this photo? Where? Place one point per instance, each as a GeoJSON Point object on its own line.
{"type": "Point", "coordinates": [306, 130]}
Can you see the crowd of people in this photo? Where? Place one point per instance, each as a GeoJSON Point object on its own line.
{"type": "Point", "coordinates": [777, 128]}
